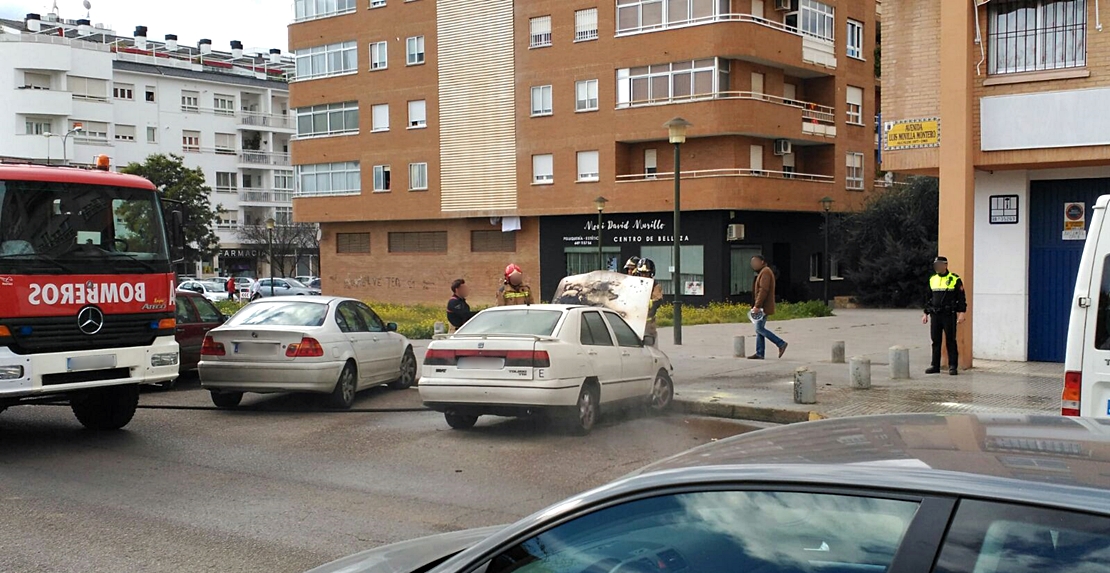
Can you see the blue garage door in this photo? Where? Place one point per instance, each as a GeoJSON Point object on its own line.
{"type": "Point", "coordinates": [1054, 262]}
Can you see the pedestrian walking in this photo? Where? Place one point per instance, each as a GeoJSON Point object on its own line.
{"type": "Point", "coordinates": [763, 306]}
{"type": "Point", "coordinates": [231, 294]}
{"type": "Point", "coordinates": [458, 310]}
{"type": "Point", "coordinates": [513, 291]}
{"type": "Point", "coordinates": [945, 307]}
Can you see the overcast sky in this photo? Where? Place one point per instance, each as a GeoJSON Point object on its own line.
{"type": "Point", "coordinates": [259, 24]}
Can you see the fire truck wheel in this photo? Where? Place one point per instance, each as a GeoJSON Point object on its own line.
{"type": "Point", "coordinates": [108, 408]}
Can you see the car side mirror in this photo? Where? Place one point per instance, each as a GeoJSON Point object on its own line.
{"type": "Point", "coordinates": [649, 340]}
{"type": "Point", "coordinates": [391, 327]}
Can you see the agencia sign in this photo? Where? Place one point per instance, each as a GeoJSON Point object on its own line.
{"type": "Point", "coordinates": [626, 295]}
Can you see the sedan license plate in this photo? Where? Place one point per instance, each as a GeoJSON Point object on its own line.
{"type": "Point", "coordinates": [256, 348]}
{"type": "Point", "coordinates": [481, 363]}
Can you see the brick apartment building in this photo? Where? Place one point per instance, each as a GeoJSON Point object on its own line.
{"type": "Point", "coordinates": [484, 130]}
{"type": "Point", "coordinates": [1018, 87]}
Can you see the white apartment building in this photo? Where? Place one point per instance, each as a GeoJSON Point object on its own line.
{"type": "Point", "coordinates": [225, 112]}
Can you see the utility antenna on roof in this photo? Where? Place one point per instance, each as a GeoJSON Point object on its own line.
{"type": "Point", "coordinates": [54, 10]}
{"type": "Point", "coordinates": [88, 6]}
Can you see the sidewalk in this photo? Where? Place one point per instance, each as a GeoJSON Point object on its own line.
{"type": "Point", "coordinates": [709, 381]}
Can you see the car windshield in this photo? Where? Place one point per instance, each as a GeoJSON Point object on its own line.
{"type": "Point", "coordinates": [212, 287]}
{"type": "Point", "coordinates": [295, 283]}
{"type": "Point", "coordinates": [280, 313]}
{"type": "Point", "coordinates": [52, 227]}
{"type": "Point", "coordinates": [517, 321]}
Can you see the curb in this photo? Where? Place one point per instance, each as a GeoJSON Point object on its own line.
{"type": "Point", "coordinates": [735, 412]}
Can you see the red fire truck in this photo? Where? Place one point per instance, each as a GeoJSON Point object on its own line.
{"type": "Point", "coordinates": [86, 290]}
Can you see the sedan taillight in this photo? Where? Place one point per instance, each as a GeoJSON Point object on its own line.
{"type": "Point", "coordinates": [528, 359]}
{"type": "Point", "coordinates": [306, 348]}
{"type": "Point", "coordinates": [212, 348]}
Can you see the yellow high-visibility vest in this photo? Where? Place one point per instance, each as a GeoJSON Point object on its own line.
{"type": "Point", "coordinates": [945, 283]}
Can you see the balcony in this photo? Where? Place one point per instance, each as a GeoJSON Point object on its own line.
{"type": "Point", "coordinates": [265, 120]}
{"type": "Point", "coordinates": [264, 158]}
{"type": "Point", "coordinates": [736, 188]}
{"type": "Point", "coordinates": [39, 102]}
{"type": "Point", "coordinates": [730, 112]}
{"type": "Point", "coordinates": [265, 197]}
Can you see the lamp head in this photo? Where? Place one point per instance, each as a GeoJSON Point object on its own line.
{"type": "Point", "coordinates": [270, 223]}
{"type": "Point", "coordinates": [600, 203]}
{"type": "Point", "coordinates": [676, 130]}
{"type": "Point", "coordinates": [827, 203]}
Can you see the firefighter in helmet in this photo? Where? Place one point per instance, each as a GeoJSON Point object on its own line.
{"type": "Point", "coordinates": [646, 269]}
{"type": "Point", "coordinates": [513, 291]}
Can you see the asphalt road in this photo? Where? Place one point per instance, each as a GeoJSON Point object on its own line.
{"type": "Point", "coordinates": [283, 486]}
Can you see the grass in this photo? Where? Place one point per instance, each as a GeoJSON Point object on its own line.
{"type": "Point", "coordinates": [417, 321]}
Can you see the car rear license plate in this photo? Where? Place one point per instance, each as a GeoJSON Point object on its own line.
{"type": "Point", "coordinates": [98, 362]}
{"type": "Point", "coordinates": [481, 363]}
{"type": "Point", "coordinates": [256, 348]}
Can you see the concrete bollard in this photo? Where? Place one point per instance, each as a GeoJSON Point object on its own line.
{"type": "Point", "coordinates": [738, 347]}
{"type": "Point", "coordinates": [439, 328]}
{"type": "Point", "coordinates": [860, 369]}
{"type": "Point", "coordinates": [805, 386]}
{"type": "Point", "coordinates": [838, 352]}
{"type": "Point", "coordinates": [899, 363]}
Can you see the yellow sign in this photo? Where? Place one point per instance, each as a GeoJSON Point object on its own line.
{"type": "Point", "coordinates": [911, 134]}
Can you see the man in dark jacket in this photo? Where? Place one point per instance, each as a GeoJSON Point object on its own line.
{"type": "Point", "coordinates": [458, 310]}
{"type": "Point", "coordinates": [945, 306]}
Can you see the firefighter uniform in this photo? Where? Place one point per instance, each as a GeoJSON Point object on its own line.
{"type": "Point", "coordinates": [509, 295]}
{"type": "Point", "coordinates": [945, 301]}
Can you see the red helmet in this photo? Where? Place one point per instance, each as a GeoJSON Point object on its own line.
{"type": "Point", "coordinates": [513, 268]}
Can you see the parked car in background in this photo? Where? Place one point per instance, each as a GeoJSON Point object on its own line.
{"type": "Point", "coordinates": [305, 279]}
{"type": "Point", "coordinates": [282, 287]}
{"type": "Point", "coordinates": [316, 283]}
{"type": "Point", "coordinates": [209, 290]}
{"type": "Point", "coordinates": [888, 494]}
{"type": "Point", "coordinates": [518, 361]}
{"type": "Point", "coordinates": [196, 316]}
{"type": "Point", "coordinates": [328, 345]}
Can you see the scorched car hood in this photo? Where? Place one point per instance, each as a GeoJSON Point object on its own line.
{"type": "Point", "coordinates": [409, 556]}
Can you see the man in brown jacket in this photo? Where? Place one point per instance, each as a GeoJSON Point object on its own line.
{"type": "Point", "coordinates": [763, 305]}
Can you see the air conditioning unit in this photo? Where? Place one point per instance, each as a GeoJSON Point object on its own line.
{"type": "Point", "coordinates": [784, 5]}
{"type": "Point", "coordinates": [736, 232]}
{"type": "Point", "coordinates": [783, 147]}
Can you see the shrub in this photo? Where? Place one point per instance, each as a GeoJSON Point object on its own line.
{"type": "Point", "coordinates": [730, 313]}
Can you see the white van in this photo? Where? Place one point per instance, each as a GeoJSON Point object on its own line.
{"type": "Point", "coordinates": [1087, 360]}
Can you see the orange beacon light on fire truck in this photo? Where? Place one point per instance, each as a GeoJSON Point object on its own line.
{"type": "Point", "coordinates": [103, 163]}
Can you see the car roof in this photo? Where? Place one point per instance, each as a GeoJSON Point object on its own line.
{"type": "Point", "coordinates": [9, 172]}
{"type": "Point", "coordinates": [189, 294]}
{"type": "Point", "coordinates": [318, 299]}
{"type": "Point", "coordinates": [558, 307]}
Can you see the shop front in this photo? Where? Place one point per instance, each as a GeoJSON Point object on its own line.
{"type": "Point", "coordinates": [241, 262]}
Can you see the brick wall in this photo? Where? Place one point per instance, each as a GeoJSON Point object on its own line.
{"type": "Point", "coordinates": [911, 73]}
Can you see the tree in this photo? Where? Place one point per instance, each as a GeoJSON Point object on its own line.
{"type": "Point", "coordinates": [888, 248]}
{"type": "Point", "coordinates": [179, 183]}
{"type": "Point", "coordinates": [292, 243]}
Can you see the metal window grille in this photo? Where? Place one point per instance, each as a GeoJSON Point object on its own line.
{"type": "Point", "coordinates": [492, 242]}
{"type": "Point", "coordinates": [352, 242]}
{"type": "Point", "coordinates": [585, 25]}
{"type": "Point", "coordinates": [541, 31]}
{"type": "Point", "coordinates": [1036, 35]}
{"type": "Point", "coordinates": [418, 242]}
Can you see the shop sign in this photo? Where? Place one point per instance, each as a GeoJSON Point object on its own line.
{"type": "Point", "coordinates": [911, 134]}
{"type": "Point", "coordinates": [239, 253]}
{"type": "Point", "coordinates": [1004, 209]}
{"type": "Point", "coordinates": [1075, 222]}
{"type": "Point", "coordinates": [620, 231]}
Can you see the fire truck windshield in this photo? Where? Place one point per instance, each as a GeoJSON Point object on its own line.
{"type": "Point", "coordinates": [63, 228]}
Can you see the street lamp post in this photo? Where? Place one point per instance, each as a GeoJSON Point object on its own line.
{"type": "Point", "coordinates": [600, 204]}
{"type": "Point", "coordinates": [676, 132]}
{"type": "Point", "coordinates": [270, 244]}
{"type": "Point", "coordinates": [826, 203]}
{"type": "Point", "coordinates": [48, 135]}
{"type": "Point", "coordinates": [65, 152]}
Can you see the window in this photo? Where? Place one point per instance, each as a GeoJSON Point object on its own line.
{"type": "Point", "coordinates": [381, 178]}
{"type": "Point", "coordinates": [125, 133]}
{"type": "Point", "coordinates": [283, 215]}
{"type": "Point", "coordinates": [380, 117]}
{"type": "Point", "coordinates": [855, 171]}
{"type": "Point", "coordinates": [33, 81]}
{"type": "Point", "coordinates": [541, 32]}
{"type": "Point", "coordinates": [817, 267]}
{"type": "Point", "coordinates": [328, 179]}
{"type": "Point", "coordinates": [588, 166]}
{"type": "Point", "coordinates": [88, 88]}
{"type": "Point", "coordinates": [816, 19]}
{"type": "Point", "coordinates": [585, 98]}
{"type": "Point", "coordinates": [190, 141]}
{"type": "Point", "coordinates": [415, 50]}
{"type": "Point", "coordinates": [1003, 538]}
{"type": "Point", "coordinates": [672, 82]}
{"type": "Point", "coordinates": [283, 181]}
{"type": "Point", "coordinates": [693, 264]}
{"type": "Point", "coordinates": [305, 10]}
{"type": "Point", "coordinates": [582, 260]}
{"type": "Point", "coordinates": [123, 91]}
{"type": "Point", "coordinates": [651, 161]}
{"type": "Point", "coordinates": [225, 143]}
{"type": "Point", "coordinates": [38, 126]}
{"type": "Point", "coordinates": [1102, 326]}
{"type": "Point", "coordinates": [543, 169]}
{"type": "Point", "coordinates": [227, 181]}
{"type": "Point", "coordinates": [418, 176]}
{"type": "Point", "coordinates": [418, 242]}
{"type": "Point", "coordinates": [379, 55]}
{"type": "Point", "coordinates": [352, 242]}
{"type": "Point", "coordinates": [593, 331]}
{"type": "Point", "coordinates": [742, 276]}
{"type": "Point", "coordinates": [725, 530]}
{"type": "Point", "coordinates": [855, 39]}
{"type": "Point", "coordinates": [541, 101]}
{"type": "Point", "coordinates": [323, 61]}
{"type": "Point", "coordinates": [492, 242]}
{"type": "Point", "coordinates": [152, 135]}
{"type": "Point", "coordinates": [855, 105]}
{"type": "Point", "coordinates": [377, 3]}
{"type": "Point", "coordinates": [224, 104]}
{"type": "Point", "coordinates": [91, 131]}
{"type": "Point", "coordinates": [150, 94]}
{"type": "Point", "coordinates": [788, 168]}
{"type": "Point", "coordinates": [1036, 35]}
{"type": "Point", "coordinates": [417, 116]}
{"type": "Point", "coordinates": [647, 15]}
{"type": "Point", "coordinates": [626, 337]}
{"type": "Point", "coordinates": [327, 119]}
{"type": "Point", "coordinates": [190, 102]}
{"type": "Point", "coordinates": [585, 25]}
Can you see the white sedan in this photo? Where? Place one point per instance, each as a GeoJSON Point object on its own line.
{"type": "Point", "coordinates": [518, 361]}
{"type": "Point", "coordinates": [326, 345]}
{"type": "Point", "coordinates": [208, 290]}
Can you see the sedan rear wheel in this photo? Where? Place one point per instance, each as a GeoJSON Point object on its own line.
{"type": "Point", "coordinates": [662, 393]}
{"type": "Point", "coordinates": [343, 397]}
{"type": "Point", "coordinates": [587, 411]}
{"type": "Point", "coordinates": [408, 372]}
{"type": "Point", "coordinates": [460, 421]}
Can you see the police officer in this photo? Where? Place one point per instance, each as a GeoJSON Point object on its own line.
{"type": "Point", "coordinates": [945, 306]}
{"type": "Point", "coordinates": [513, 291]}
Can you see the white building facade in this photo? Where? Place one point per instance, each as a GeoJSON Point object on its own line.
{"type": "Point", "coordinates": [225, 113]}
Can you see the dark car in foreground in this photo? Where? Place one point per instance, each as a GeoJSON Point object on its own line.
{"type": "Point", "coordinates": [196, 316]}
{"type": "Point", "coordinates": [898, 494]}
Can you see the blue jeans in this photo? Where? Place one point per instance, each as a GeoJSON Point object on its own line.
{"type": "Point", "coordinates": [762, 335]}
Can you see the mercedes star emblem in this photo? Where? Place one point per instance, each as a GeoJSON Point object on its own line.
{"type": "Point", "coordinates": [90, 320]}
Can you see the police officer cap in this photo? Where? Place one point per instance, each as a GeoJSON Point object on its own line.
{"type": "Point", "coordinates": [941, 260]}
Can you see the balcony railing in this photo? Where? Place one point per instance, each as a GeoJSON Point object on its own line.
{"type": "Point", "coordinates": [266, 195]}
{"type": "Point", "coordinates": [266, 120]}
{"type": "Point", "coordinates": [810, 111]}
{"type": "Point", "coordinates": [731, 172]}
{"type": "Point", "coordinates": [708, 20]}
{"type": "Point", "coordinates": [264, 158]}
